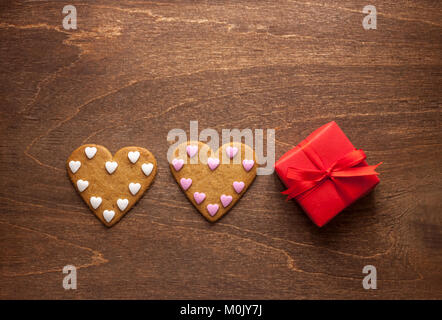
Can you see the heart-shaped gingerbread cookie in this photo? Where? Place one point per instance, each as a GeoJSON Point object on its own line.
{"type": "Point", "coordinates": [213, 181]}
{"type": "Point", "coordinates": [111, 185]}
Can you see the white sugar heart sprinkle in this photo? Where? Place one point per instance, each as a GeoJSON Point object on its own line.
{"type": "Point", "coordinates": [90, 152]}
{"type": "Point", "coordinates": [133, 156]}
{"type": "Point", "coordinates": [147, 168]}
{"type": "Point", "coordinates": [111, 166]}
{"type": "Point", "coordinates": [74, 165]}
{"type": "Point", "coordinates": [108, 215]}
{"type": "Point", "coordinates": [134, 188]}
{"type": "Point", "coordinates": [95, 202]}
{"type": "Point", "coordinates": [82, 185]}
{"type": "Point", "coordinates": [122, 204]}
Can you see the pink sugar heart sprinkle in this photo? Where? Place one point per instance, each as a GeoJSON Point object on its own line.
{"type": "Point", "coordinates": [231, 151]}
{"type": "Point", "coordinates": [191, 150]}
{"type": "Point", "coordinates": [185, 183]}
{"type": "Point", "coordinates": [213, 163]}
{"type": "Point", "coordinates": [238, 186]}
{"type": "Point", "coordinates": [199, 197]}
{"type": "Point", "coordinates": [248, 164]}
{"type": "Point", "coordinates": [226, 200]}
{"type": "Point", "coordinates": [177, 164]}
{"type": "Point", "coordinates": [212, 209]}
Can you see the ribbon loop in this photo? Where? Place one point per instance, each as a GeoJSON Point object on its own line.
{"type": "Point", "coordinates": [307, 179]}
{"type": "Point", "coordinates": [349, 160]}
{"type": "Point", "coordinates": [304, 174]}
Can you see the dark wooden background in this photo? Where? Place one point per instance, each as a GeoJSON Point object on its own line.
{"type": "Point", "coordinates": [132, 71]}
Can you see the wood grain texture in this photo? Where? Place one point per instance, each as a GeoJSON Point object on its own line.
{"type": "Point", "coordinates": [134, 70]}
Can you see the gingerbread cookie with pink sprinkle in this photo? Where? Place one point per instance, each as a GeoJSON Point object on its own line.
{"type": "Point", "coordinates": [213, 180]}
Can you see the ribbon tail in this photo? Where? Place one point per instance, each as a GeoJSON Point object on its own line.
{"type": "Point", "coordinates": [356, 172]}
{"type": "Point", "coordinates": [299, 188]}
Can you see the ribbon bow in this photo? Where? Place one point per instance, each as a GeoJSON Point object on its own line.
{"type": "Point", "coordinates": [307, 179]}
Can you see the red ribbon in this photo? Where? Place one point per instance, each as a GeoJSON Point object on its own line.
{"type": "Point", "coordinates": [307, 179]}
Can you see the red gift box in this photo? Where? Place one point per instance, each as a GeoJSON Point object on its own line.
{"type": "Point", "coordinates": [325, 173]}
